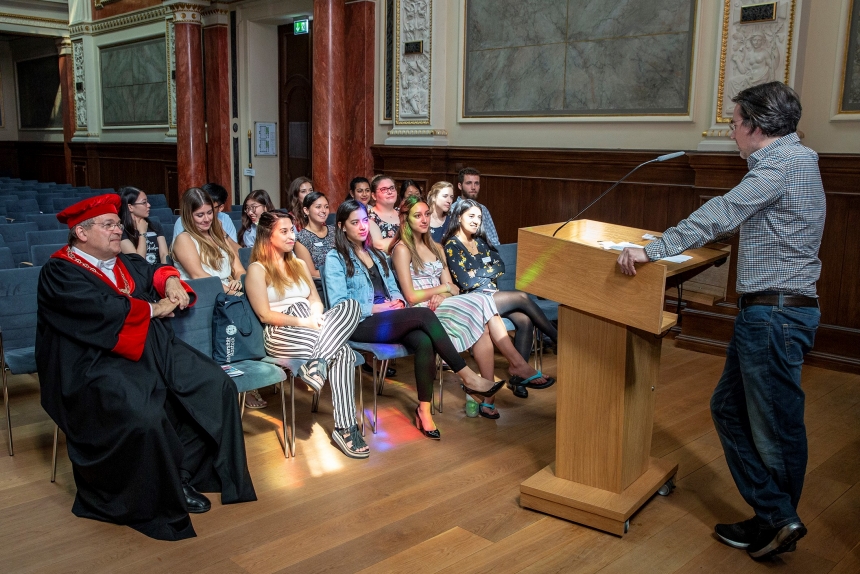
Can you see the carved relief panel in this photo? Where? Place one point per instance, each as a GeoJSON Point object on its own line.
{"type": "Point", "coordinates": [756, 48]}
{"type": "Point", "coordinates": [412, 83]}
{"type": "Point", "coordinates": [80, 85]}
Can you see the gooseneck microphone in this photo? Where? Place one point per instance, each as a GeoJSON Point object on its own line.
{"type": "Point", "coordinates": [664, 157]}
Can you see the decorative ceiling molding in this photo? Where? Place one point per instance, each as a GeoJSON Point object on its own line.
{"type": "Point", "coordinates": [155, 14]}
{"type": "Point", "coordinates": [21, 20]}
{"type": "Point", "coordinates": [99, 4]}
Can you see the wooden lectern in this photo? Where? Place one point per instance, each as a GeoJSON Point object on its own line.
{"type": "Point", "coordinates": [608, 363]}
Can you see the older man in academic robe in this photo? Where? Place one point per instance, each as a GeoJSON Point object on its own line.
{"type": "Point", "coordinates": [149, 421]}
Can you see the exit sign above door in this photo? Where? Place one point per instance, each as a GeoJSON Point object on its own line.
{"type": "Point", "coordinates": [300, 27]}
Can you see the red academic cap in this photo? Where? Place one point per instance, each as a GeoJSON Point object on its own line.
{"type": "Point", "coordinates": [89, 208]}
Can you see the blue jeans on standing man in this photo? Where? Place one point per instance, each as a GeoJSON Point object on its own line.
{"type": "Point", "coordinates": [758, 407]}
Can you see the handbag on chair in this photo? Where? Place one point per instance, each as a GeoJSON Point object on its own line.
{"type": "Point", "coordinates": [237, 335]}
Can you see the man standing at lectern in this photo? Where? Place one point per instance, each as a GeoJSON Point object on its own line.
{"type": "Point", "coordinates": [758, 404]}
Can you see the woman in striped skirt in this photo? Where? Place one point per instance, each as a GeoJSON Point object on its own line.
{"type": "Point", "coordinates": [471, 320]}
{"type": "Point", "coordinates": [281, 291]}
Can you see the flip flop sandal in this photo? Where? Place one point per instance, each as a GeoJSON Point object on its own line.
{"type": "Point", "coordinates": [488, 415]}
{"type": "Point", "coordinates": [314, 372]}
{"type": "Point", "coordinates": [521, 382]}
{"type": "Point", "coordinates": [352, 436]}
{"type": "Point", "coordinates": [259, 402]}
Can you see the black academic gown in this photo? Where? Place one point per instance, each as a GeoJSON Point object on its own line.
{"type": "Point", "coordinates": [136, 404]}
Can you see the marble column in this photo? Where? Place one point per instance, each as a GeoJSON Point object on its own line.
{"type": "Point", "coordinates": [67, 90]}
{"type": "Point", "coordinates": [361, 39]}
{"type": "Point", "coordinates": [190, 112]}
{"type": "Point", "coordinates": [329, 142]}
{"type": "Point", "coordinates": [217, 72]}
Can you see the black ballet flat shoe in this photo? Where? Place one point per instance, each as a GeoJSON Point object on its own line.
{"type": "Point", "coordinates": [431, 434]}
{"type": "Point", "coordinates": [518, 391]}
{"type": "Point", "coordinates": [196, 502]}
{"type": "Point", "coordinates": [488, 393]}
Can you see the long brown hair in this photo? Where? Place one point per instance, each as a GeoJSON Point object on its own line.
{"type": "Point", "coordinates": [295, 204]}
{"type": "Point", "coordinates": [193, 199]}
{"type": "Point", "coordinates": [406, 236]}
{"type": "Point", "coordinates": [281, 277]}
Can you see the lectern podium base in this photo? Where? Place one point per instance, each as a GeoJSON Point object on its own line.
{"type": "Point", "coordinates": [591, 506]}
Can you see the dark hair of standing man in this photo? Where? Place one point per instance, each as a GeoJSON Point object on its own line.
{"type": "Point", "coordinates": [467, 171]}
{"type": "Point", "coordinates": [216, 192]}
{"type": "Point", "coordinates": [773, 107]}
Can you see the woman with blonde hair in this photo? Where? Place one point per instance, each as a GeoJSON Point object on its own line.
{"type": "Point", "coordinates": [440, 198]}
{"type": "Point", "coordinates": [471, 320]}
{"type": "Point", "coordinates": [203, 249]}
{"type": "Point", "coordinates": [281, 293]}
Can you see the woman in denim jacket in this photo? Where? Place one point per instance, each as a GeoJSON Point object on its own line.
{"type": "Point", "coordinates": [354, 269]}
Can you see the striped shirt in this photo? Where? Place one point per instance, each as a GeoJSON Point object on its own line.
{"type": "Point", "coordinates": [779, 206]}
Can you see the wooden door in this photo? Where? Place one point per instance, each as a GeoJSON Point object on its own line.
{"type": "Point", "coordinates": [295, 94]}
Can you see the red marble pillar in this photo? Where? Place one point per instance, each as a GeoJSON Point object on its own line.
{"type": "Point", "coordinates": [190, 114]}
{"type": "Point", "coordinates": [217, 71]}
{"type": "Point", "coordinates": [67, 91]}
{"type": "Point", "coordinates": [360, 37]}
{"type": "Point", "coordinates": [329, 101]}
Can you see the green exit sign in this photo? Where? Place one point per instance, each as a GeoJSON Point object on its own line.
{"type": "Point", "coordinates": [300, 27]}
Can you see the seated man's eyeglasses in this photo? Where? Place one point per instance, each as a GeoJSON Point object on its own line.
{"type": "Point", "coordinates": [110, 225]}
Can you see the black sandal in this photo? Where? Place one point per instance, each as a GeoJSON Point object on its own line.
{"type": "Point", "coordinates": [314, 372]}
{"type": "Point", "coordinates": [481, 412]}
{"type": "Point", "coordinates": [349, 441]}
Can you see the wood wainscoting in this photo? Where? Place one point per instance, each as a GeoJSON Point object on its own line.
{"type": "Point", "coordinates": [525, 187]}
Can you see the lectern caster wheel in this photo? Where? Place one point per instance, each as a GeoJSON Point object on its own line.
{"type": "Point", "coordinates": [667, 488]}
{"type": "Point", "coordinates": [626, 525]}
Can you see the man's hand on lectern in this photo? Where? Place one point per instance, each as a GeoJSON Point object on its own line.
{"type": "Point", "coordinates": [630, 257]}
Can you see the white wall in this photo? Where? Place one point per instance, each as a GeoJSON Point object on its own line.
{"type": "Point", "coordinates": [819, 57]}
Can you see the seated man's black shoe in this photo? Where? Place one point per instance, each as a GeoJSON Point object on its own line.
{"type": "Point", "coordinates": [389, 372]}
{"type": "Point", "coordinates": [519, 391]}
{"type": "Point", "coordinates": [739, 534]}
{"type": "Point", "coordinates": [773, 541]}
{"type": "Point", "coordinates": [196, 502]}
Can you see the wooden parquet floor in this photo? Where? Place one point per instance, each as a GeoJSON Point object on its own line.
{"type": "Point", "coordinates": [419, 506]}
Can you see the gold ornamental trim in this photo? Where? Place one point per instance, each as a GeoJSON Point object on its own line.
{"type": "Point", "coordinates": [99, 4]}
{"type": "Point", "coordinates": [6, 18]}
{"type": "Point", "coordinates": [121, 22]}
{"type": "Point", "coordinates": [417, 132]}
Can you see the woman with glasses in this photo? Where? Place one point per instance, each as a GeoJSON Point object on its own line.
{"type": "Point", "coordinates": [384, 216]}
{"type": "Point", "coordinates": [317, 238]}
{"type": "Point", "coordinates": [299, 188]}
{"type": "Point", "coordinates": [256, 204]}
{"type": "Point", "coordinates": [355, 269]}
{"type": "Point", "coordinates": [139, 234]}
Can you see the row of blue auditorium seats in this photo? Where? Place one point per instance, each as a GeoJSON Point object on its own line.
{"type": "Point", "coordinates": [34, 241]}
{"type": "Point", "coordinates": [14, 206]}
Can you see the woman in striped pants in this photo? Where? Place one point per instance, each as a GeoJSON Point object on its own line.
{"type": "Point", "coordinates": [471, 320]}
{"type": "Point", "coordinates": [281, 291]}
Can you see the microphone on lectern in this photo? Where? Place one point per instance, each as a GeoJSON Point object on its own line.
{"type": "Point", "coordinates": [664, 157]}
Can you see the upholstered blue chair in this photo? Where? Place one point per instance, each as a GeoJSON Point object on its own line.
{"type": "Point", "coordinates": [45, 221]}
{"type": "Point", "coordinates": [15, 236]}
{"type": "Point", "coordinates": [39, 254]}
{"type": "Point", "coordinates": [245, 256]}
{"type": "Point", "coordinates": [194, 326]}
{"type": "Point", "coordinates": [17, 329]}
{"type": "Point", "coordinates": [6, 261]}
{"type": "Point", "coordinates": [61, 203]}
{"type": "Point", "coordinates": [157, 200]}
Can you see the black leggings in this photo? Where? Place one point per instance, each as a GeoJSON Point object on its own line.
{"type": "Point", "coordinates": [524, 314]}
{"type": "Point", "coordinates": [419, 330]}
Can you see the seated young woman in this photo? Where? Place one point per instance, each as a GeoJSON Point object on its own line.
{"type": "Point", "coordinates": [359, 190]}
{"type": "Point", "coordinates": [475, 265]}
{"type": "Point", "coordinates": [299, 188]}
{"type": "Point", "coordinates": [257, 203]}
{"type": "Point", "coordinates": [409, 188]}
{"type": "Point", "coordinates": [471, 320]}
{"type": "Point", "coordinates": [281, 293]}
{"type": "Point", "coordinates": [384, 218]}
{"type": "Point", "coordinates": [439, 198]}
{"type": "Point", "coordinates": [204, 250]}
{"type": "Point", "coordinates": [139, 234]}
{"type": "Point", "coordinates": [355, 269]}
{"type": "Point", "coordinates": [317, 238]}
